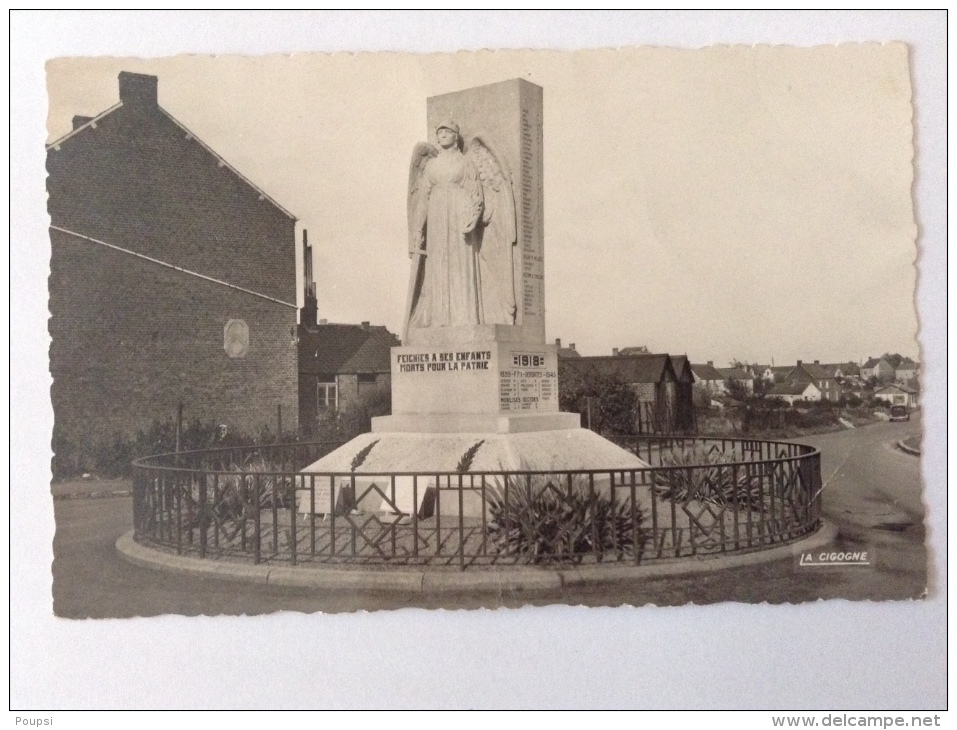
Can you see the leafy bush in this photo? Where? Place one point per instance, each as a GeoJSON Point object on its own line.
{"type": "Point", "coordinates": [551, 523]}
{"type": "Point", "coordinates": [113, 458]}
{"type": "Point", "coordinates": [703, 476]}
{"type": "Point", "coordinates": [615, 404]}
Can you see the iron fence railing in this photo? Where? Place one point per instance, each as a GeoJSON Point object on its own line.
{"type": "Point", "coordinates": [697, 496]}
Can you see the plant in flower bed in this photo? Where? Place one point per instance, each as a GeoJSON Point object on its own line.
{"type": "Point", "coordinates": [232, 495]}
{"type": "Point", "coordinates": [696, 474]}
{"type": "Point", "coordinates": [548, 522]}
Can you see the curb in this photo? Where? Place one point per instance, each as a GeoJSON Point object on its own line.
{"type": "Point", "coordinates": [428, 581]}
{"type": "Point", "coordinates": [908, 449]}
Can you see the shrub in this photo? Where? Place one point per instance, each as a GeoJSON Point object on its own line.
{"type": "Point", "coordinates": [113, 458]}
{"type": "Point", "coordinates": [234, 502]}
{"type": "Point", "coordinates": [695, 474]}
{"type": "Point", "coordinates": [551, 523]}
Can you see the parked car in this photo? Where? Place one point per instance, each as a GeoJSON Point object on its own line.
{"type": "Point", "coordinates": [900, 413]}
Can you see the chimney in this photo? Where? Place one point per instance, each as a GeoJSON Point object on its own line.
{"type": "Point", "coordinates": [323, 321]}
{"type": "Point", "coordinates": [310, 306]}
{"type": "Point", "coordinates": [799, 363]}
{"type": "Point", "coordinates": [710, 363]}
{"type": "Point", "coordinates": [558, 342]}
{"type": "Point", "coordinates": [365, 325]}
{"type": "Point", "coordinates": [614, 351]}
{"type": "Point", "coordinates": [138, 90]}
{"type": "Point", "coordinates": [817, 362]}
{"type": "Point", "coordinates": [79, 121]}
{"type": "Point", "coordinates": [572, 346]}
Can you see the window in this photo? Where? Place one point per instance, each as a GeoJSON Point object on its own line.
{"type": "Point", "coordinates": [327, 396]}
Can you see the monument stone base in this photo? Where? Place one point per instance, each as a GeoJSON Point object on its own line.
{"type": "Point", "coordinates": [425, 454]}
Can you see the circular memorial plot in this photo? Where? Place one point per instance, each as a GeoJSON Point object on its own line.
{"type": "Point", "coordinates": [696, 497]}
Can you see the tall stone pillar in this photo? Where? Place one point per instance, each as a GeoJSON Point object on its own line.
{"type": "Point", "coordinates": [489, 377]}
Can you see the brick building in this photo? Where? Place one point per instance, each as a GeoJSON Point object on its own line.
{"type": "Point", "coordinates": [172, 279]}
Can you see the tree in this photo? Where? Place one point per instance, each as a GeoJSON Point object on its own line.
{"type": "Point", "coordinates": [737, 390]}
{"type": "Point", "coordinates": [762, 386]}
{"type": "Point", "coordinates": [614, 403]}
{"type": "Point", "coordinates": [894, 359]}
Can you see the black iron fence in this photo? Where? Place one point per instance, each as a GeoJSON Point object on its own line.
{"type": "Point", "coordinates": [697, 496]}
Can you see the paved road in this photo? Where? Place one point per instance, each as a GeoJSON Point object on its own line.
{"type": "Point", "coordinates": [872, 491]}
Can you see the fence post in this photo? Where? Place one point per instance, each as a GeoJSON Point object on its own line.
{"type": "Point", "coordinates": [179, 427]}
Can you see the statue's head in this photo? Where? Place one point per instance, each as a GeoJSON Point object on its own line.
{"type": "Point", "coordinates": [447, 123]}
{"type": "Point", "coordinates": [447, 133]}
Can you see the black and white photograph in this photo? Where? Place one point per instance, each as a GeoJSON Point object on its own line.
{"type": "Point", "coordinates": [488, 332]}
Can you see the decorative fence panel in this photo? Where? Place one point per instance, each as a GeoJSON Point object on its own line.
{"type": "Point", "coordinates": [698, 496]}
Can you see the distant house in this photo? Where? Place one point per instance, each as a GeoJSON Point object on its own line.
{"type": "Point", "coordinates": [338, 363]}
{"type": "Point", "coordinates": [569, 351]}
{"type": "Point", "coordinates": [906, 371]}
{"type": "Point", "coordinates": [897, 394]}
{"type": "Point", "coordinates": [664, 397]}
{"type": "Point", "coordinates": [844, 370]}
{"type": "Point", "coordinates": [780, 373]}
{"type": "Point", "coordinates": [877, 368]}
{"type": "Point", "coordinates": [172, 279]}
{"type": "Point", "coordinates": [793, 392]}
{"type": "Point", "coordinates": [640, 350]}
{"type": "Point", "coordinates": [738, 375]}
{"type": "Point", "coordinates": [822, 376]}
{"type": "Point", "coordinates": [708, 376]}
{"type": "Point", "coordinates": [761, 372]}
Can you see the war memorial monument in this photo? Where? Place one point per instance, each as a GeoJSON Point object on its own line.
{"type": "Point", "coordinates": [474, 382]}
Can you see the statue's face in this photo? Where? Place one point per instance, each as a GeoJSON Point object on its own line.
{"type": "Point", "coordinates": [446, 137]}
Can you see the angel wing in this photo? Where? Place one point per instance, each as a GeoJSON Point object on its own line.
{"type": "Point", "coordinates": [417, 202]}
{"type": "Point", "coordinates": [496, 254]}
{"type": "Point", "coordinates": [417, 215]}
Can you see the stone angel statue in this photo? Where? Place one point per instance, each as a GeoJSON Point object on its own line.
{"type": "Point", "coordinates": [462, 233]}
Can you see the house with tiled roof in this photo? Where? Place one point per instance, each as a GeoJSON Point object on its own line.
{"type": "Point", "coordinates": [823, 376]}
{"type": "Point", "coordinates": [795, 391]}
{"type": "Point", "coordinates": [906, 371]}
{"type": "Point", "coordinates": [664, 395]}
{"type": "Point", "coordinates": [761, 372]}
{"type": "Point", "coordinates": [564, 352]}
{"type": "Point", "coordinates": [738, 375]}
{"type": "Point", "coordinates": [339, 364]}
{"type": "Point", "coordinates": [780, 373]}
{"type": "Point", "coordinates": [172, 279]}
{"type": "Point", "coordinates": [877, 367]}
{"type": "Point", "coordinates": [639, 350]}
{"type": "Point", "coordinates": [844, 370]}
{"type": "Point", "coordinates": [898, 394]}
{"type": "Point", "coordinates": [706, 375]}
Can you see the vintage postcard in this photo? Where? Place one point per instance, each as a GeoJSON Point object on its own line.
{"type": "Point", "coordinates": [488, 329]}
{"type": "Point", "coordinates": [351, 332]}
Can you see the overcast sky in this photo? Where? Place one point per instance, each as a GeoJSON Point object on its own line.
{"type": "Point", "coordinates": [731, 202]}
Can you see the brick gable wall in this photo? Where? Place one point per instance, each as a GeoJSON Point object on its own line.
{"type": "Point", "coordinates": [137, 182]}
{"type": "Point", "coordinates": [131, 339]}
